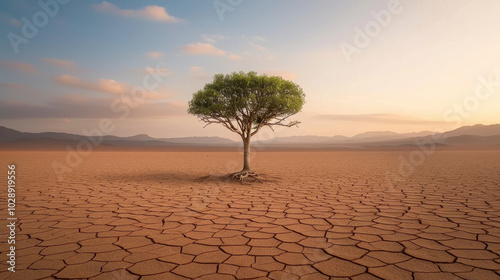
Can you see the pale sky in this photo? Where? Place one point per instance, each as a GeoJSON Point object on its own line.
{"type": "Point", "coordinates": [403, 66]}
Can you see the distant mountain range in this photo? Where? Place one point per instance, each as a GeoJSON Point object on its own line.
{"type": "Point", "coordinates": [387, 137]}
{"type": "Point", "coordinates": [371, 136]}
{"type": "Point", "coordinates": [13, 138]}
{"type": "Point", "coordinates": [477, 136]}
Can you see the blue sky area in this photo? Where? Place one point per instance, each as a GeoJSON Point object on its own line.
{"type": "Point", "coordinates": [402, 66]}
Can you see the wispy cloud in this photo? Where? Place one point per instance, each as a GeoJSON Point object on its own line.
{"type": "Point", "coordinates": [257, 46]}
{"type": "Point", "coordinates": [207, 49]}
{"type": "Point", "coordinates": [202, 49]}
{"type": "Point", "coordinates": [84, 108]}
{"type": "Point", "coordinates": [15, 22]}
{"type": "Point", "coordinates": [153, 12]}
{"type": "Point", "coordinates": [18, 66]}
{"type": "Point", "coordinates": [60, 63]}
{"type": "Point", "coordinates": [379, 118]}
{"type": "Point", "coordinates": [103, 85]}
{"type": "Point", "coordinates": [155, 55]}
{"type": "Point", "coordinates": [214, 38]}
{"type": "Point", "coordinates": [161, 71]}
{"type": "Point", "coordinates": [258, 38]}
{"type": "Point", "coordinates": [234, 57]}
{"type": "Point", "coordinates": [197, 71]}
{"type": "Point", "coordinates": [287, 75]}
{"type": "Point", "coordinates": [8, 19]}
{"type": "Point", "coordinates": [16, 86]}
{"type": "Point", "coordinates": [18, 90]}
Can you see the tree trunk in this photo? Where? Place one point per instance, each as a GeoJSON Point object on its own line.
{"type": "Point", "coordinates": [246, 154]}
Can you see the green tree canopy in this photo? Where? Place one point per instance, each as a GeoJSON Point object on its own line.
{"type": "Point", "coordinates": [246, 102]}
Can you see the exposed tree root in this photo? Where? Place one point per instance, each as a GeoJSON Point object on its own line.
{"type": "Point", "coordinates": [241, 175]}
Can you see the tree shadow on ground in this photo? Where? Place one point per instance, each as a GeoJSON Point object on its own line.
{"type": "Point", "coordinates": [154, 176]}
{"type": "Point", "coordinates": [227, 178]}
{"type": "Point", "coordinates": [165, 177]}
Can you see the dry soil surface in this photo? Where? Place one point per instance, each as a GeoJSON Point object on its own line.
{"type": "Point", "coordinates": [319, 215]}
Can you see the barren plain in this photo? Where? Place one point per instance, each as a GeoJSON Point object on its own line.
{"type": "Point", "coordinates": [320, 215]}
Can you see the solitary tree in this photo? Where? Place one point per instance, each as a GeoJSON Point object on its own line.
{"type": "Point", "coordinates": [246, 102]}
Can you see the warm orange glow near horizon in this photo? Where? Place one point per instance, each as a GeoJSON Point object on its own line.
{"type": "Point", "coordinates": [385, 66]}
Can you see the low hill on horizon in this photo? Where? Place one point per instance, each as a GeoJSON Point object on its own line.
{"type": "Point", "coordinates": [467, 136]}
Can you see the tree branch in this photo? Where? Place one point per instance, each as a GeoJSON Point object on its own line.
{"type": "Point", "coordinates": [219, 119]}
{"type": "Point", "coordinates": [278, 122]}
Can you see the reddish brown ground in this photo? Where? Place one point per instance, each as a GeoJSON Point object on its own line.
{"type": "Point", "coordinates": [330, 215]}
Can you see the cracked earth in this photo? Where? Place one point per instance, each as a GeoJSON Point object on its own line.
{"type": "Point", "coordinates": [330, 215]}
